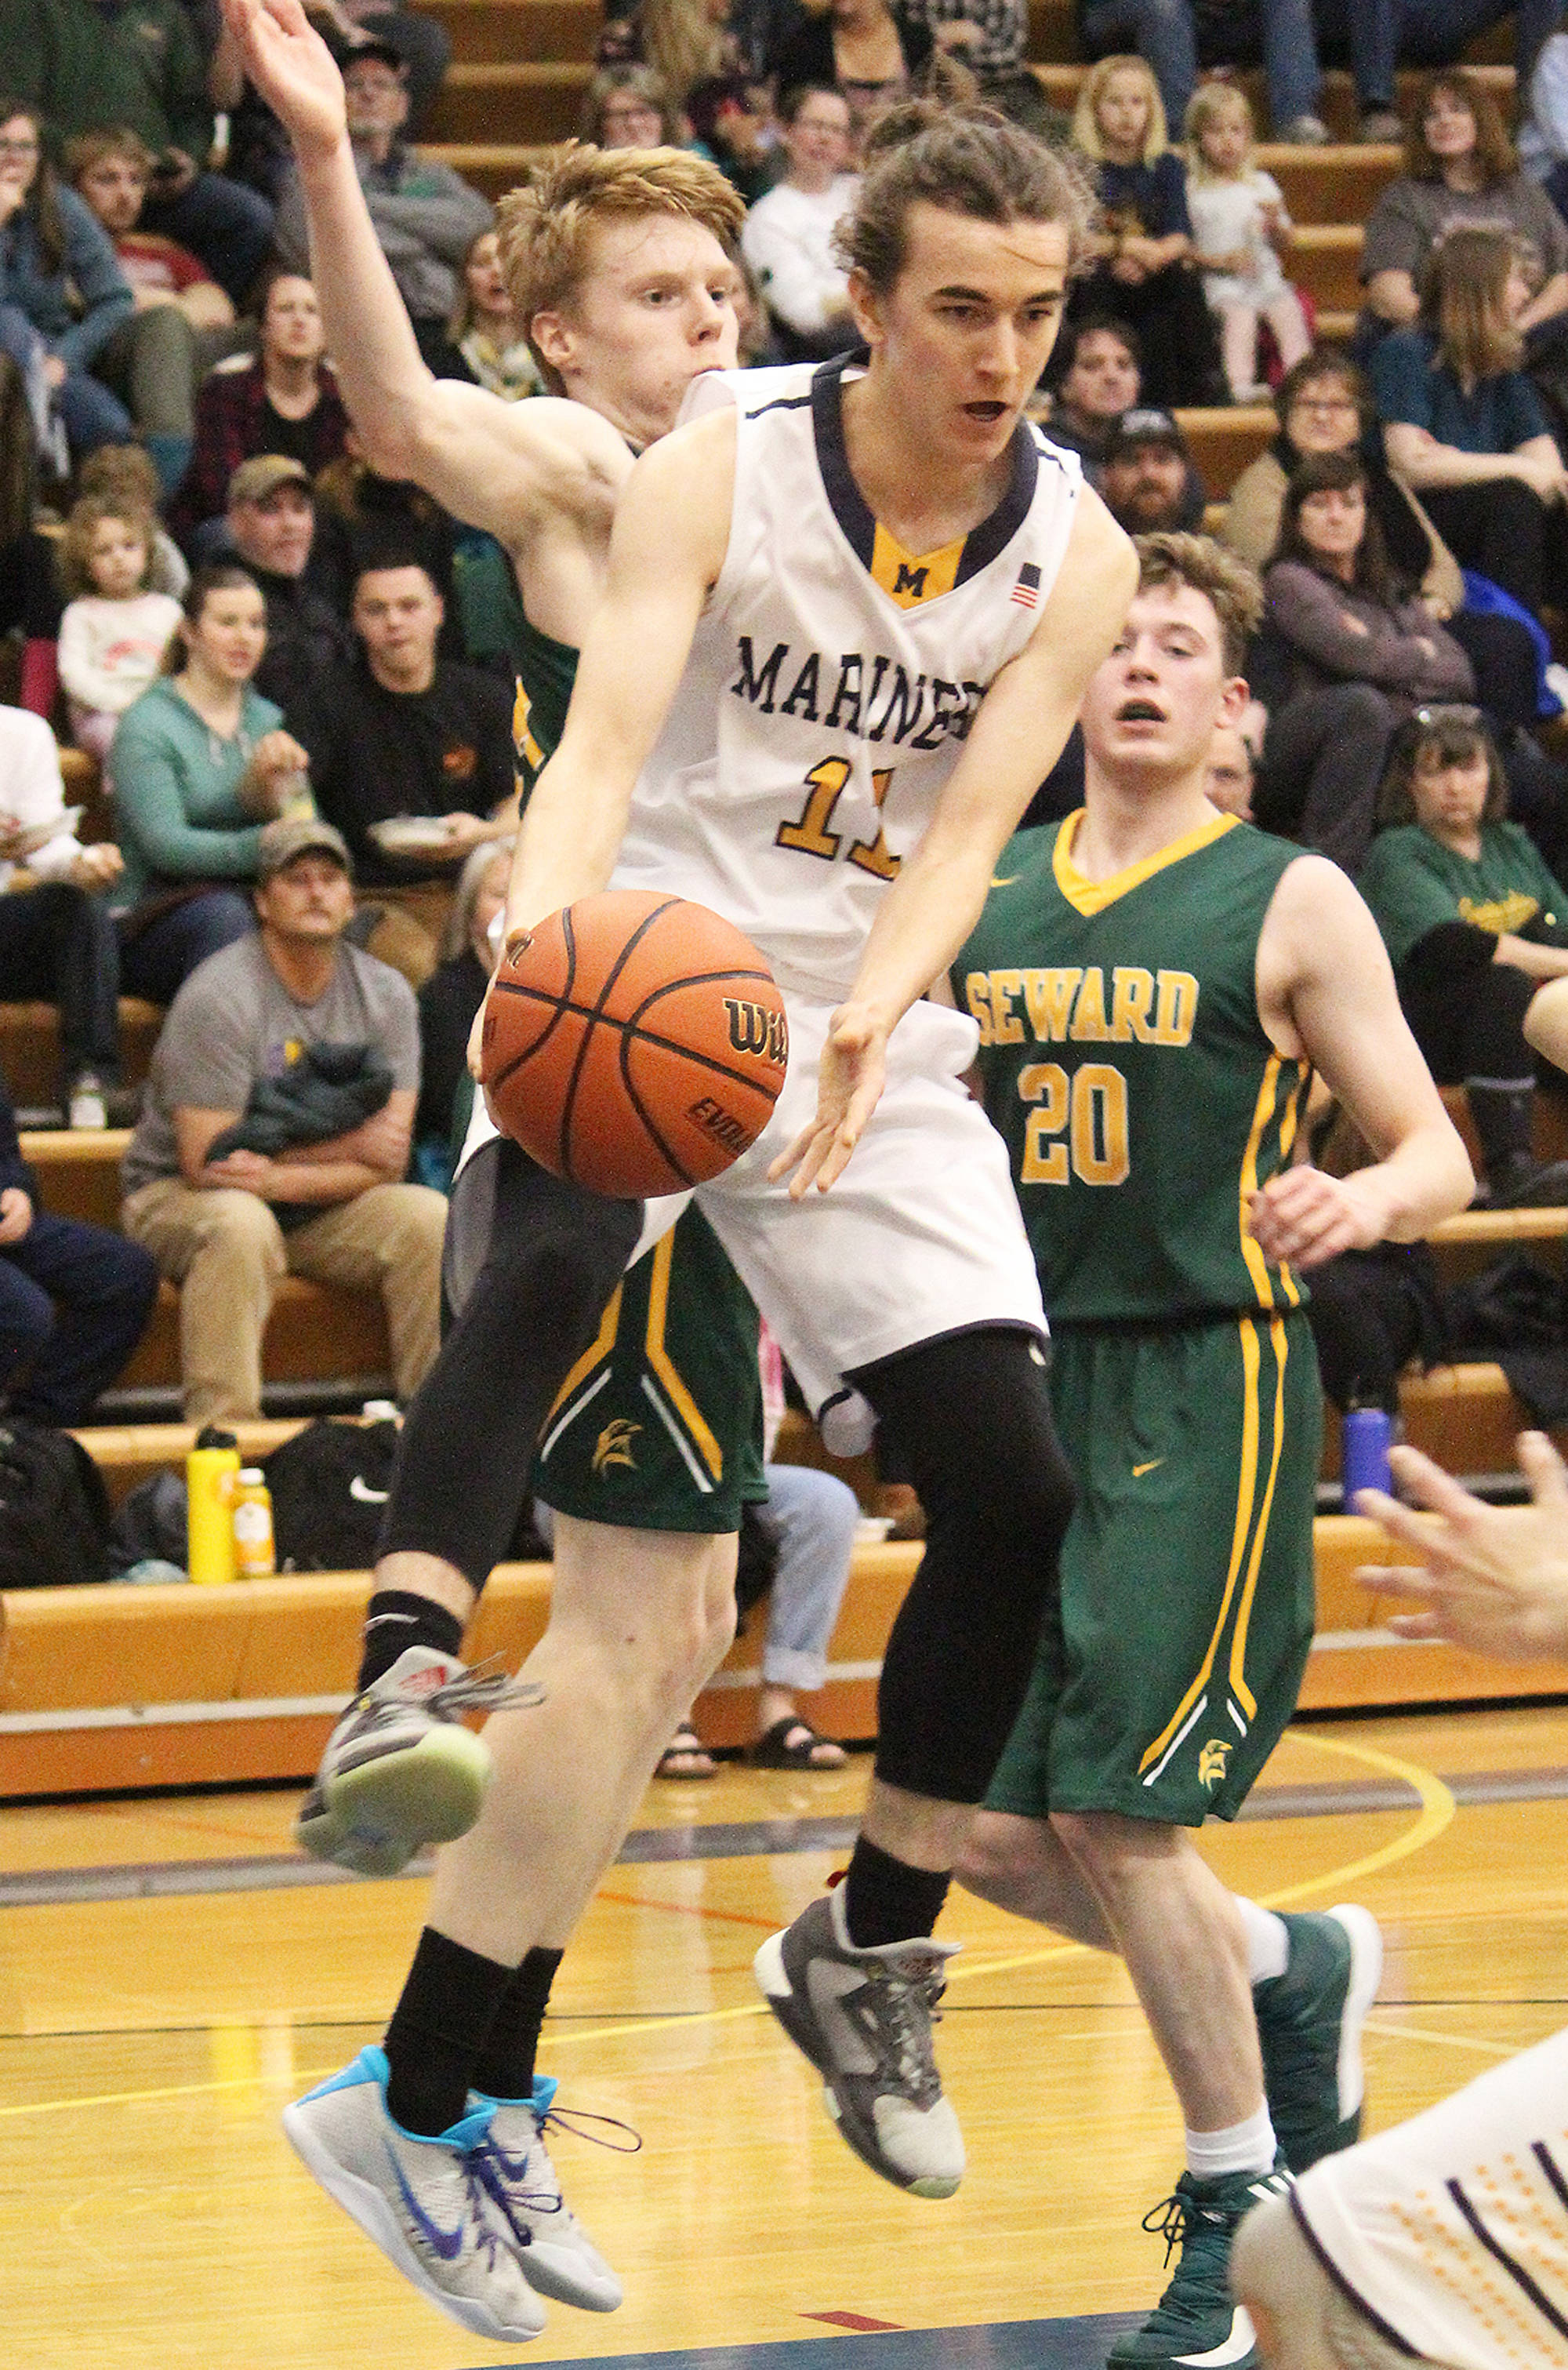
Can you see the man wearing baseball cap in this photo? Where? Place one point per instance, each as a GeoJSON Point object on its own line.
{"type": "Point", "coordinates": [275, 1130]}
{"type": "Point", "coordinates": [271, 521]}
{"type": "Point", "coordinates": [1148, 477]}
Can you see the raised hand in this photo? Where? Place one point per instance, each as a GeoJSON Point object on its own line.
{"type": "Point", "coordinates": [293, 70]}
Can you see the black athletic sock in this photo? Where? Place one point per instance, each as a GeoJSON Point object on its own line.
{"type": "Point", "coordinates": [506, 2068]}
{"type": "Point", "coordinates": [886, 1900]}
{"type": "Point", "coordinates": [439, 2031]}
{"type": "Point", "coordinates": [396, 1619]}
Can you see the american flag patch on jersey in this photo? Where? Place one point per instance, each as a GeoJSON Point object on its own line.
{"type": "Point", "coordinates": [1026, 592]}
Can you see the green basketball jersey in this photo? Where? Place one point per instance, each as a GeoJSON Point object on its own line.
{"type": "Point", "coordinates": [1123, 1060]}
{"type": "Point", "coordinates": [546, 671]}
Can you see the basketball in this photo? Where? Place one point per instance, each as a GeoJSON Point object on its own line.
{"type": "Point", "coordinates": [637, 1044]}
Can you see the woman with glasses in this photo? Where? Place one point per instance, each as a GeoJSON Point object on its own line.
{"type": "Point", "coordinates": [631, 106]}
{"type": "Point", "coordinates": [1474, 924]}
{"type": "Point", "coordinates": [63, 295]}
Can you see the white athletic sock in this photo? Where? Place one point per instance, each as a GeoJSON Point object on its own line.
{"type": "Point", "coordinates": [1242, 2148]}
{"type": "Point", "coordinates": [1268, 1940]}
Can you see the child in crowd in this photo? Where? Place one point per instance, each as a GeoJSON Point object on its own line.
{"type": "Point", "coordinates": [116, 629]}
{"type": "Point", "coordinates": [1240, 230]}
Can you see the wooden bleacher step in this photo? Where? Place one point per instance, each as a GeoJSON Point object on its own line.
{"type": "Point", "coordinates": [30, 1047]}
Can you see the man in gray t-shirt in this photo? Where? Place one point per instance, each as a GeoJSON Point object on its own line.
{"type": "Point", "coordinates": [336, 1209]}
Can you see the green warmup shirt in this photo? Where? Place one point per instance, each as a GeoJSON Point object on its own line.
{"type": "Point", "coordinates": [1123, 1060]}
{"type": "Point", "coordinates": [1414, 884]}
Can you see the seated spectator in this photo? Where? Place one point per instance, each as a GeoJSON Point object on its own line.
{"type": "Point", "coordinates": [1325, 406]}
{"type": "Point", "coordinates": [1460, 169]}
{"type": "Point", "coordinates": [1096, 379]}
{"type": "Point", "coordinates": [398, 731]}
{"type": "Point", "coordinates": [732, 122]}
{"type": "Point", "coordinates": [871, 53]}
{"type": "Point", "coordinates": [1140, 251]}
{"type": "Point", "coordinates": [1228, 783]}
{"type": "Point", "coordinates": [1148, 477]}
{"type": "Point", "coordinates": [124, 473]}
{"type": "Point", "coordinates": [258, 1049]}
{"type": "Point", "coordinates": [788, 237]}
{"type": "Point", "coordinates": [116, 629]}
{"type": "Point", "coordinates": [85, 67]}
{"type": "Point", "coordinates": [426, 215]}
{"type": "Point", "coordinates": [359, 511]}
{"type": "Point", "coordinates": [1240, 228]}
{"type": "Point", "coordinates": [1475, 923]}
{"type": "Point", "coordinates": [448, 1002]}
{"type": "Point", "coordinates": [631, 106]}
{"type": "Point", "coordinates": [74, 1298]}
{"type": "Point", "coordinates": [271, 525]}
{"type": "Point", "coordinates": [1464, 426]}
{"type": "Point", "coordinates": [1362, 654]}
{"type": "Point", "coordinates": [685, 42]}
{"type": "Point", "coordinates": [989, 38]}
{"type": "Point", "coordinates": [200, 764]}
{"type": "Point", "coordinates": [183, 319]}
{"type": "Point", "coordinates": [63, 295]}
{"type": "Point", "coordinates": [1543, 134]}
{"type": "Point", "coordinates": [487, 342]}
{"type": "Point", "coordinates": [418, 39]}
{"type": "Point", "coordinates": [282, 399]}
{"type": "Point", "coordinates": [57, 941]}
{"type": "Point", "coordinates": [1173, 37]}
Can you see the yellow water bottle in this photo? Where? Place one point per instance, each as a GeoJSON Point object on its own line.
{"type": "Point", "coordinates": [212, 1471]}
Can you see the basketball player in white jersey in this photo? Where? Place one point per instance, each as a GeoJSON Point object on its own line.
{"type": "Point", "coordinates": [1444, 2240]}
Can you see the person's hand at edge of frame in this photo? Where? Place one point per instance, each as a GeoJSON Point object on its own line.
{"type": "Point", "coordinates": [1493, 1579]}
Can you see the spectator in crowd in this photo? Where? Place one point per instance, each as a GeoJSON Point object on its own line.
{"type": "Point", "coordinates": [1474, 924]}
{"type": "Point", "coordinates": [787, 239]}
{"type": "Point", "coordinates": [84, 67]}
{"type": "Point", "coordinates": [1463, 424]}
{"type": "Point", "coordinates": [1362, 654]}
{"type": "Point", "coordinates": [488, 341]}
{"type": "Point", "coordinates": [1140, 256]}
{"type": "Point", "coordinates": [1165, 34]}
{"type": "Point", "coordinates": [397, 731]}
{"type": "Point", "coordinates": [271, 524]}
{"type": "Point", "coordinates": [631, 106]}
{"type": "Point", "coordinates": [74, 1298]}
{"type": "Point", "coordinates": [1148, 476]}
{"type": "Point", "coordinates": [259, 1048]}
{"type": "Point", "coordinates": [448, 1002]}
{"type": "Point", "coordinates": [183, 320]}
{"type": "Point", "coordinates": [282, 399]}
{"type": "Point", "coordinates": [358, 510]}
{"type": "Point", "coordinates": [125, 474]}
{"type": "Point", "coordinates": [63, 295]}
{"type": "Point", "coordinates": [418, 40]}
{"type": "Point", "coordinates": [732, 122]}
{"type": "Point", "coordinates": [1325, 406]}
{"type": "Point", "coordinates": [1460, 169]}
{"type": "Point", "coordinates": [200, 764]}
{"type": "Point", "coordinates": [56, 938]}
{"type": "Point", "coordinates": [116, 628]}
{"type": "Point", "coordinates": [989, 38]}
{"type": "Point", "coordinates": [426, 215]}
{"type": "Point", "coordinates": [1543, 134]}
{"type": "Point", "coordinates": [870, 52]}
{"type": "Point", "coordinates": [1240, 228]}
{"type": "Point", "coordinates": [685, 41]}
{"type": "Point", "coordinates": [1231, 770]}
{"type": "Point", "coordinates": [1097, 376]}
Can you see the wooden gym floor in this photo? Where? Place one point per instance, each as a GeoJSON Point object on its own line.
{"type": "Point", "coordinates": [170, 1975]}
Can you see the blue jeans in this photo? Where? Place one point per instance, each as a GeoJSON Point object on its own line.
{"type": "Point", "coordinates": [1366, 33]}
{"type": "Point", "coordinates": [811, 1519]}
{"type": "Point", "coordinates": [74, 1301]}
{"type": "Point", "coordinates": [91, 415]}
{"type": "Point", "coordinates": [58, 942]}
{"type": "Point", "coordinates": [1162, 32]}
{"type": "Point", "coordinates": [1433, 32]}
{"type": "Point", "coordinates": [228, 226]}
{"type": "Point", "coordinates": [157, 960]}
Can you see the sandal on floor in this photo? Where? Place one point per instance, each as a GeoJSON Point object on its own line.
{"type": "Point", "coordinates": [686, 1756]}
{"type": "Point", "coordinates": [793, 1744]}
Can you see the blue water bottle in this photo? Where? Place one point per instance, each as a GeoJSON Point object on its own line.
{"type": "Point", "coordinates": [1364, 1455]}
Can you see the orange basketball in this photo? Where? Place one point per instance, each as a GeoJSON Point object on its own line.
{"type": "Point", "coordinates": [637, 1044]}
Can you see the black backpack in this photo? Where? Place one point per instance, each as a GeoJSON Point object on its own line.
{"type": "Point", "coordinates": [330, 1485]}
{"type": "Point", "coordinates": [54, 1510]}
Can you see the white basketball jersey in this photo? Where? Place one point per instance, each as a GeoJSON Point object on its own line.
{"type": "Point", "coordinates": [832, 681]}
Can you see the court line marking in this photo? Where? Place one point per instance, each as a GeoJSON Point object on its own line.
{"type": "Point", "coordinates": [1449, 2040]}
{"type": "Point", "coordinates": [1438, 1810]}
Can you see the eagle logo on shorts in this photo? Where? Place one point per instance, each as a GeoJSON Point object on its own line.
{"type": "Point", "coordinates": [1211, 1763]}
{"type": "Point", "coordinates": [614, 1446]}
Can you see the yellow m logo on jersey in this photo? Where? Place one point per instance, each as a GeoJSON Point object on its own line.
{"type": "Point", "coordinates": [1211, 1763]}
{"type": "Point", "coordinates": [614, 1446]}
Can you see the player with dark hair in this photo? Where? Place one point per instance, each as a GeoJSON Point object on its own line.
{"type": "Point", "coordinates": [1155, 982]}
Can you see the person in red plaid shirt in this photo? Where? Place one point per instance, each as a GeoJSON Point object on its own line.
{"type": "Point", "coordinates": [284, 401]}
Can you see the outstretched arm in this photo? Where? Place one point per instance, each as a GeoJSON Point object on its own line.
{"type": "Point", "coordinates": [1326, 991]}
{"type": "Point", "coordinates": [492, 462]}
{"type": "Point", "coordinates": [1018, 735]}
{"type": "Point", "coordinates": [1495, 1578]}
